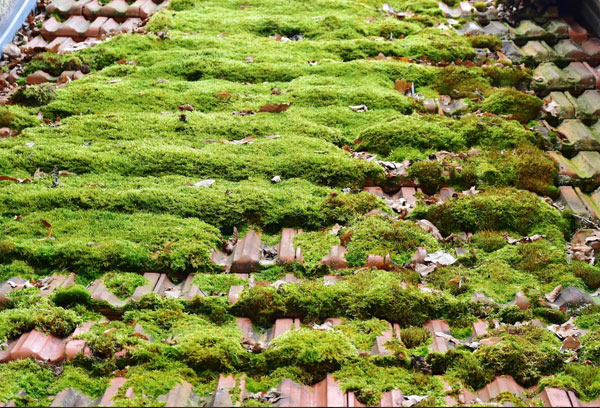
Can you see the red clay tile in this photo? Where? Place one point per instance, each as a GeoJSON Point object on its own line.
{"type": "Point", "coordinates": [50, 27]}
{"type": "Point", "coordinates": [592, 47]}
{"type": "Point", "coordinates": [352, 401]}
{"type": "Point", "coordinates": [480, 328]}
{"type": "Point", "coordinates": [283, 325]}
{"type": "Point", "coordinates": [555, 397]}
{"type": "Point", "coordinates": [286, 250]}
{"type": "Point", "coordinates": [327, 393]}
{"type": "Point", "coordinates": [500, 384]}
{"type": "Point", "coordinates": [576, 31]}
{"type": "Point", "coordinates": [521, 301]}
{"type": "Point", "coordinates": [190, 290]}
{"type": "Point", "coordinates": [294, 394]}
{"type": "Point", "coordinates": [570, 198]}
{"type": "Point", "coordinates": [111, 391]}
{"type": "Point", "coordinates": [149, 7]}
{"type": "Point", "coordinates": [110, 27]}
{"type": "Point", "coordinates": [393, 398]}
{"type": "Point", "coordinates": [148, 287]}
{"type": "Point", "coordinates": [70, 397]}
{"type": "Point", "coordinates": [222, 396]}
{"type": "Point", "coordinates": [38, 77]}
{"type": "Point", "coordinates": [75, 347]}
{"type": "Point", "coordinates": [39, 346]}
{"type": "Point", "coordinates": [74, 27]}
{"type": "Point", "coordinates": [92, 9]}
{"type": "Point", "coordinates": [434, 326]}
{"type": "Point", "coordinates": [335, 259]}
{"type": "Point", "coordinates": [246, 255]}
{"type": "Point", "coordinates": [234, 294]}
{"type": "Point", "coordinates": [57, 281]}
{"type": "Point", "coordinates": [59, 44]}
{"type": "Point", "coordinates": [36, 44]}
{"type": "Point", "coordinates": [182, 395]}
{"type": "Point", "coordinates": [10, 285]}
{"type": "Point", "coordinates": [130, 25]}
{"type": "Point", "coordinates": [115, 9]}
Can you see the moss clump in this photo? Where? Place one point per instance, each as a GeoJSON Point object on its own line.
{"type": "Point", "coordinates": [489, 241]}
{"type": "Point", "coordinates": [583, 379]}
{"type": "Point", "coordinates": [315, 245]}
{"type": "Point", "coordinates": [428, 174]}
{"type": "Point", "coordinates": [490, 42]}
{"type": "Point", "coordinates": [123, 284]}
{"type": "Point", "coordinates": [315, 352]}
{"type": "Point", "coordinates": [35, 95]}
{"type": "Point", "coordinates": [180, 5]}
{"type": "Point", "coordinates": [413, 337]}
{"type": "Point", "coordinates": [521, 106]}
{"type": "Point", "coordinates": [378, 235]}
{"type": "Point", "coordinates": [442, 133]}
{"type": "Point", "coordinates": [496, 209]}
{"type": "Point", "coordinates": [588, 273]}
{"type": "Point", "coordinates": [217, 284]}
{"type": "Point", "coordinates": [73, 295]}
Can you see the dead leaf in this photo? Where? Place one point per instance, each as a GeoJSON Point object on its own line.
{"type": "Point", "coordinates": [186, 107]}
{"type": "Point", "coordinates": [245, 112]}
{"type": "Point", "coordinates": [223, 34]}
{"type": "Point", "coordinates": [18, 217]}
{"type": "Point", "coordinates": [246, 140]}
{"type": "Point", "coordinates": [403, 86]}
{"type": "Point", "coordinates": [49, 226]}
{"type": "Point", "coordinates": [223, 95]}
{"type": "Point", "coordinates": [275, 108]}
{"type": "Point", "coordinates": [275, 91]}
{"type": "Point", "coordinates": [15, 179]}
{"type": "Point", "coordinates": [167, 246]}
{"type": "Point", "coordinates": [359, 108]}
{"type": "Point", "coordinates": [65, 173]}
{"type": "Point", "coordinates": [249, 59]}
{"type": "Point", "coordinates": [345, 238]}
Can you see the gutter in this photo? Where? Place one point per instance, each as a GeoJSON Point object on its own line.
{"type": "Point", "coordinates": [14, 19]}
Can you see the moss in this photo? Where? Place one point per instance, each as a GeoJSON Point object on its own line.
{"type": "Point", "coordinates": [428, 174]}
{"type": "Point", "coordinates": [369, 381]}
{"type": "Point", "coordinates": [123, 284]}
{"type": "Point", "coordinates": [496, 209]}
{"type": "Point", "coordinates": [521, 106]}
{"type": "Point", "coordinates": [217, 284]}
{"type": "Point", "coordinates": [35, 95]}
{"type": "Point", "coordinates": [441, 133]}
{"type": "Point", "coordinates": [580, 378]}
{"type": "Point", "coordinates": [588, 273]}
{"type": "Point", "coordinates": [378, 235]}
{"type": "Point", "coordinates": [315, 245]}
{"type": "Point", "coordinates": [75, 294]}
{"type": "Point", "coordinates": [490, 42]}
{"type": "Point", "coordinates": [180, 5]}
{"type": "Point", "coordinates": [413, 337]}
{"type": "Point", "coordinates": [489, 241]}
{"type": "Point", "coordinates": [591, 346]}
{"type": "Point", "coordinates": [315, 352]}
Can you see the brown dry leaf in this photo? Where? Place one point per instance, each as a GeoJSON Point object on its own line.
{"type": "Point", "coordinates": [244, 7]}
{"type": "Point", "coordinates": [275, 108]}
{"type": "Point", "coordinates": [167, 246]}
{"type": "Point", "coordinates": [223, 95]}
{"type": "Point", "coordinates": [245, 112]}
{"type": "Point", "coordinates": [186, 107]}
{"type": "Point", "coordinates": [403, 86]}
{"type": "Point", "coordinates": [15, 179]}
{"type": "Point", "coordinates": [359, 108]}
{"type": "Point", "coordinates": [249, 59]}
{"type": "Point", "coordinates": [18, 217]}
{"type": "Point", "coordinates": [245, 140]}
{"type": "Point", "coordinates": [65, 173]}
{"type": "Point", "coordinates": [49, 226]}
{"type": "Point", "coordinates": [344, 239]}
{"type": "Point", "coordinates": [223, 34]}
{"type": "Point", "coordinates": [275, 91]}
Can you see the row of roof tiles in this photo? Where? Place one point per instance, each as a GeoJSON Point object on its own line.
{"type": "Point", "coordinates": [118, 9]}
{"type": "Point", "coordinates": [79, 29]}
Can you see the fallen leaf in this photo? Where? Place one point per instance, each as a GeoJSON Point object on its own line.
{"type": "Point", "coordinates": [359, 108]}
{"type": "Point", "coordinates": [275, 91]}
{"type": "Point", "coordinates": [403, 86]}
{"type": "Point", "coordinates": [249, 59]}
{"type": "Point", "coordinates": [49, 226]}
{"type": "Point", "coordinates": [186, 107]}
{"type": "Point", "coordinates": [65, 173]}
{"type": "Point", "coordinates": [223, 34]}
{"type": "Point", "coordinates": [167, 246]}
{"type": "Point", "coordinates": [275, 108]}
{"type": "Point", "coordinates": [223, 95]}
{"type": "Point", "coordinates": [15, 179]}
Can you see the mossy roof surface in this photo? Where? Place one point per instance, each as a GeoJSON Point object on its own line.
{"type": "Point", "coordinates": [114, 168]}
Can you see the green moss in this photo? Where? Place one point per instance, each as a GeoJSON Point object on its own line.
{"type": "Point", "coordinates": [413, 337]}
{"type": "Point", "coordinates": [123, 284]}
{"type": "Point", "coordinates": [217, 284]}
{"type": "Point", "coordinates": [521, 106]}
{"type": "Point", "coordinates": [428, 174]}
{"type": "Point", "coordinates": [496, 209]}
{"type": "Point", "coordinates": [315, 352]}
{"type": "Point", "coordinates": [588, 273]}
{"type": "Point", "coordinates": [315, 245]}
{"type": "Point", "coordinates": [378, 235]}
{"type": "Point", "coordinates": [35, 95]}
{"type": "Point", "coordinates": [489, 241]}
